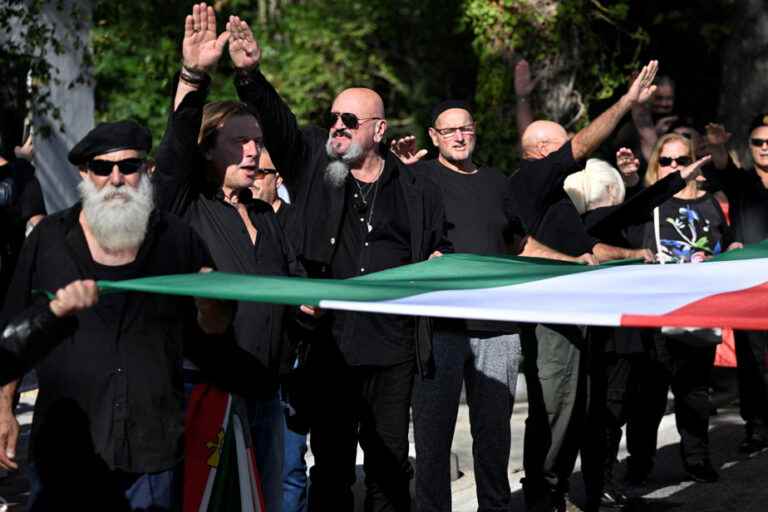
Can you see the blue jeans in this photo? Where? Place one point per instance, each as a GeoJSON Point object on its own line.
{"type": "Point", "coordinates": [149, 491]}
{"type": "Point", "coordinates": [294, 472]}
{"type": "Point", "coordinates": [267, 424]}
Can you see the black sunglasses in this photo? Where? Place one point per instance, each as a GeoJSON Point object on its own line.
{"type": "Point", "coordinates": [126, 167]}
{"type": "Point", "coordinates": [349, 120]}
{"type": "Point", "coordinates": [666, 161]}
{"type": "Point", "coordinates": [758, 142]}
{"type": "Point", "coordinates": [266, 170]}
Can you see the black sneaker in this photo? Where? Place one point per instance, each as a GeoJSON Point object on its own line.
{"type": "Point", "coordinates": [752, 444]}
{"type": "Point", "coordinates": [702, 472]}
{"type": "Point", "coordinates": [636, 477]}
{"type": "Point", "coordinates": [613, 498]}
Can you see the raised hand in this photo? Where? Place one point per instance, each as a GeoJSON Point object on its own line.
{"type": "Point", "coordinates": [524, 86]}
{"type": "Point", "coordinates": [627, 162]}
{"type": "Point", "coordinates": [691, 172]}
{"type": "Point", "coordinates": [717, 135]}
{"type": "Point", "coordinates": [405, 149]}
{"type": "Point", "coordinates": [642, 87]}
{"type": "Point", "coordinates": [202, 48]}
{"type": "Point", "coordinates": [244, 50]}
{"type": "Point", "coordinates": [664, 124]}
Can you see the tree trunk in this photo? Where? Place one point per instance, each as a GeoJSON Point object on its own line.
{"type": "Point", "coordinates": [745, 67]}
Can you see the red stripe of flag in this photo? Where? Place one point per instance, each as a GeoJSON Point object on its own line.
{"type": "Point", "coordinates": [744, 309]}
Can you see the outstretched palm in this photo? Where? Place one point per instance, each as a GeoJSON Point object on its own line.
{"type": "Point", "coordinates": [642, 87]}
{"type": "Point", "coordinates": [202, 48]}
{"type": "Point", "coordinates": [243, 48]}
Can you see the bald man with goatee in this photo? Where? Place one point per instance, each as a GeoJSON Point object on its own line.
{"type": "Point", "coordinates": [555, 357]}
{"type": "Point", "coordinates": [357, 211]}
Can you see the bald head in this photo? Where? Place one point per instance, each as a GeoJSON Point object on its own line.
{"type": "Point", "coordinates": [542, 138]}
{"type": "Point", "coordinates": [362, 102]}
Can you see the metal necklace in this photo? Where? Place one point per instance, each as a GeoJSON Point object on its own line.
{"type": "Point", "coordinates": [375, 187]}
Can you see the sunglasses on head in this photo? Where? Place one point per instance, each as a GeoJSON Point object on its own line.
{"type": "Point", "coordinates": [758, 142]}
{"type": "Point", "coordinates": [126, 167]}
{"type": "Point", "coordinates": [349, 120]}
{"type": "Point", "coordinates": [666, 161]}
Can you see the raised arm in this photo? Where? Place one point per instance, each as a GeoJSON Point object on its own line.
{"type": "Point", "coordinates": [590, 138]}
{"type": "Point", "coordinates": [523, 88]}
{"type": "Point", "coordinates": [282, 135]}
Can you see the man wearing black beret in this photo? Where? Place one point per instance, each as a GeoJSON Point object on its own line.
{"type": "Point", "coordinates": [109, 367]}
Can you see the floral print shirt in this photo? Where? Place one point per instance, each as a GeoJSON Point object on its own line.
{"type": "Point", "coordinates": [691, 229]}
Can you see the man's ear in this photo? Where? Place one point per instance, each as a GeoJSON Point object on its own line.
{"type": "Point", "coordinates": [380, 130]}
{"type": "Point", "coordinates": [83, 172]}
{"type": "Point", "coordinates": [434, 136]}
{"type": "Point", "coordinates": [278, 179]}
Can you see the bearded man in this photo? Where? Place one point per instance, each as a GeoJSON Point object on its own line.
{"type": "Point", "coordinates": [109, 368]}
{"type": "Point", "coordinates": [357, 210]}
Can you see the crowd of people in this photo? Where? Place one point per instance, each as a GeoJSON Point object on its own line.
{"type": "Point", "coordinates": [111, 368]}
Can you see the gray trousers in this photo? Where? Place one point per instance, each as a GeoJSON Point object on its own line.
{"type": "Point", "coordinates": [557, 403]}
{"type": "Point", "coordinates": [488, 365]}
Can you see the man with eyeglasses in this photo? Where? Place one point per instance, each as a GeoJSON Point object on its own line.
{"type": "Point", "coordinates": [109, 367]}
{"type": "Point", "coordinates": [357, 211]}
{"type": "Point", "coordinates": [747, 191]}
{"type": "Point", "coordinates": [482, 355]}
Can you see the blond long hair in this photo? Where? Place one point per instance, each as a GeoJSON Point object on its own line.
{"type": "Point", "coordinates": [652, 173]}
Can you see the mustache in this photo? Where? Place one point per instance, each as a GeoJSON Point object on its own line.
{"type": "Point", "coordinates": [341, 132]}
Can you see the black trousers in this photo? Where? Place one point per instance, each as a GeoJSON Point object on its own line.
{"type": "Point", "coordinates": [687, 369]}
{"type": "Point", "coordinates": [364, 404]}
{"type": "Point", "coordinates": [752, 371]}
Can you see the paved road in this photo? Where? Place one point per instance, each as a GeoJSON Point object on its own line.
{"type": "Point", "coordinates": [742, 486]}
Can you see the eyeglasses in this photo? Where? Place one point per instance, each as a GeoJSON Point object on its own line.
{"type": "Point", "coordinates": [349, 120]}
{"type": "Point", "coordinates": [265, 171]}
{"type": "Point", "coordinates": [666, 161]}
{"type": "Point", "coordinates": [126, 167]}
{"type": "Point", "coordinates": [758, 142]}
{"type": "Point", "coordinates": [448, 133]}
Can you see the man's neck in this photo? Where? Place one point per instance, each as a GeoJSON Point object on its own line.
{"type": "Point", "coordinates": [369, 169]}
{"type": "Point", "coordinates": [277, 204]}
{"type": "Point", "coordinates": [101, 255]}
{"type": "Point", "coordinates": [463, 166]}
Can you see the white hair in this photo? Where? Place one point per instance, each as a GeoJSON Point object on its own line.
{"type": "Point", "coordinates": [117, 216]}
{"type": "Point", "coordinates": [338, 168]}
{"type": "Point", "coordinates": [599, 184]}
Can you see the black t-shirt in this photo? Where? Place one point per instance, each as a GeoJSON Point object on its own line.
{"type": "Point", "coordinates": [361, 251]}
{"type": "Point", "coordinates": [690, 229]}
{"type": "Point", "coordinates": [545, 208]}
{"type": "Point", "coordinates": [479, 222]}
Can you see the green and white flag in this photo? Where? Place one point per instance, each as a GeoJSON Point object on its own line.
{"type": "Point", "coordinates": [730, 290]}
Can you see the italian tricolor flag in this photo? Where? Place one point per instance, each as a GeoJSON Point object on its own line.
{"type": "Point", "coordinates": [730, 290]}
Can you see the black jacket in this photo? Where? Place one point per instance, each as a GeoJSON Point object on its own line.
{"type": "Point", "coordinates": [314, 228]}
{"type": "Point", "coordinates": [120, 362]}
{"type": "Point", "coordinates": [182, 188]}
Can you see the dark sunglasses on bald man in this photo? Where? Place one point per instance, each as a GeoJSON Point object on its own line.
{"type": "Point", "coordinates": [126, 167]}
{"type": "Point", "coordinates": [666, 161]}
{"type": "Point", "coordinates": [758, 143]}
{"type": "Point", "coordinates": [349, 120]}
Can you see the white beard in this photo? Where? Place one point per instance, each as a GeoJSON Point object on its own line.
{"type": "Point", "coordinates": [338, 168]}
{"type": "Point", "coordinates": [117, 216]}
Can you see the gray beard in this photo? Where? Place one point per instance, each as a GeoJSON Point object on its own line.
{"type": "Point", "coordinates": [117, 216]}
{"type": "Point", "coordinates": [338, 168]}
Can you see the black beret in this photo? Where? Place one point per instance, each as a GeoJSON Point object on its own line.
{"type": "Point", "coordinates": [447, 105]}
{"type": "Point", "coordinates": [111, 137]}
{"type": "Point", "coordinates": [758, 121]}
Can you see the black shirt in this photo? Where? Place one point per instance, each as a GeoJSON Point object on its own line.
{"type": "Point", "coordinates": [748, 201]}
{"type": "Point", "coordinates": [478, 221]}
{"type": "Point", "coordinates": [24, 200]}
{"type": "Point", "coordinates": [360, 251]}
{"type": "Point", "coordinates": [545, 208]}
{"type": "Point", "coordinates": [182, 189]}
{"type": "Point", "coordinates": [122, 366]}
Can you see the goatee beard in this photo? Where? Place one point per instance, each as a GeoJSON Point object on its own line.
{"type": "Point", "coordinates": [337, 170]}
{"type": "Point", "coordinates": [117, 216]}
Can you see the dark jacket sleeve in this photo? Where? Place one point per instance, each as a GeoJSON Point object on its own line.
{"type": "Point", "coordinates": [605, 223]}
{"type": "Point", "coordinates": [282, 136]}
{"type": "Point", "coordinates": [177, 177]}
{"type": "Point", "coordinates": [29, 337]}
{"type": "Point", "coordinates": [729, 180]}
{"type": "Point", "coordinates": [436, 234]}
